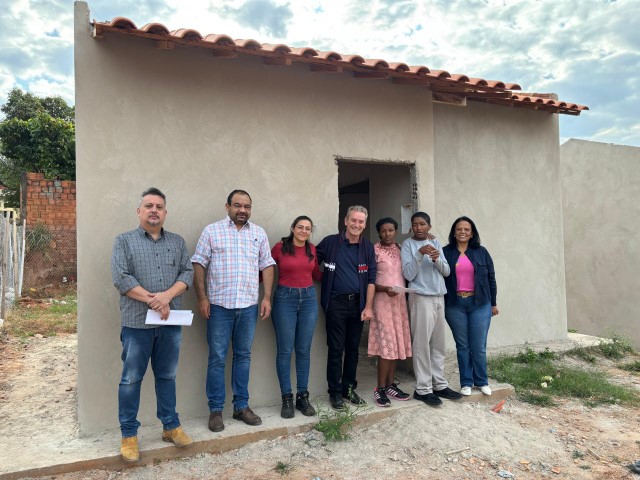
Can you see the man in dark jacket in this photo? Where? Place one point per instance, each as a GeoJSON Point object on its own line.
{"type": "Point", "coordinates": [348, 287]}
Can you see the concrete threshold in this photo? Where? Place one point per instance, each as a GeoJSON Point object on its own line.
{"type": "Point", "coordinates": [102, 451]}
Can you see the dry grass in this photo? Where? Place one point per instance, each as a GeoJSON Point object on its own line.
{"type": "Point", "coordinates": [46, 316]}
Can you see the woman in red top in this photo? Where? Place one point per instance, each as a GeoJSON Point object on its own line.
{"type": "Point", "coordinates": [295, 312]}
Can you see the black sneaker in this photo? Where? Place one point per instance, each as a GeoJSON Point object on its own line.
{"type": "Point", "coordinates": [380, 397]}
{"type": "Point", "coordinates": [287, 406]}
{"type": "Point", "coordinates": [394, 392]}
{"type": "Point", "coordinates": [448, 393]}
{"type": "Point", "coordinates": [428, 398]}
{"type": "Point", "coordinates": [302, 404]}
{"type": "Point", "coordinates": [353, 397]}
{"type": "Point", "coordinates": [336, 401]}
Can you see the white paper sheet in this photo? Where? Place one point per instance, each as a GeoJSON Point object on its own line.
{"type": "Point", "coordinates": [399, 289]}
{"type": "Point", "coordinates": [176, 317]}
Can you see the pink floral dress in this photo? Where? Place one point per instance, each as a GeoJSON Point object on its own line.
{"type": "Point", "coordinates": [389, 332]}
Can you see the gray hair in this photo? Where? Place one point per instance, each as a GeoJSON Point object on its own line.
{"type": "Point", "coordinates": [357, 208]}
{"type": "Point", "coordinates": [152, 191]}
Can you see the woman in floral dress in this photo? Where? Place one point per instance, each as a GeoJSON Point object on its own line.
{"type": "Point", "coordinates": [389, 332]}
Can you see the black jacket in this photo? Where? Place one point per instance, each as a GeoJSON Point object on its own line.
{"type": "Point", "coordinates": [484, 275]}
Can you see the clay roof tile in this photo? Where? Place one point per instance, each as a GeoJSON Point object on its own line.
{"type": "Point", "coordinates": [353, 59]}
{"type": "Point", "coordinates": [458, 77]}
{"type": "Point", "coordinates": [187, 34]}
{"type": "Point", "coordinates": [399, 66]}
{"type": "Point", "coordinates": [304, 51]}
{"type": "Point", "coordinates": [330, 55]}
{"type": "Point", "coordinates": [219, 39]}
{"type": "Point", "coordinates": [375, 62]}
{"type": "Point", "coordinates": [419, 70]}
{"type": "Point", "coordinates": [122, 22]}
{"type": "Point", "coordinates": [276, 47]}
{"type": "Point", "coordinates": [155, 28]}
{"type": "Point", "coordinates": [440, 74]}
{"type": "Point", "coordinates": [248, 43]}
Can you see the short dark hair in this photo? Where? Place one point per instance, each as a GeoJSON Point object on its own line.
{"type": "Point", "coordinates": [241, 192]}
{"type": "Point", "coordinates": [474, 242]}
{"type": "Point", "coordinates": [384, 220]}
{"type": "Point", "coordinates": [424, 215]}
{"type": "Point", "coordinates": [153, 191]}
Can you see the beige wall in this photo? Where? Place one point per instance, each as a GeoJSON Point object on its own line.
{"type": "Point", "coordinates": [500, 167]}
{"type": "Point", "coordinates": [197, 127]}
{"type": "Point", "coordinates": [601, 187]}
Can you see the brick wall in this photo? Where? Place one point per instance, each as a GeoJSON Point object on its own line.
{"type": "Point", "coordinates": [49, 208]}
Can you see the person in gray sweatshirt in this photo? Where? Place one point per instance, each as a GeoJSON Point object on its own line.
{"type": "Point", "coordinates": [424, 266]}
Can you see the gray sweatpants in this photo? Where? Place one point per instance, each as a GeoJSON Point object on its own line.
{"type": "Point", "coordinates": [427, 341]}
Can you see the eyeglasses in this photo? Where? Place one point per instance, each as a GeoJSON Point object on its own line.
{"type": "Point", "coordinates": [238, 206]}
{"type": "Point", "coordinates": [303, 228]}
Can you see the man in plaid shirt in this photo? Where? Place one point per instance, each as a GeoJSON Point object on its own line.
{"type": "Point", "coordinates": [151, 269]}
{"type": "Point", "coordinates": [232, 252]}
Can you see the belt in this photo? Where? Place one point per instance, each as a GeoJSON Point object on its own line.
{"type": "Point", "coordinates": [465, 294]}
{"type": "Point", "coordinates": [347, 296]}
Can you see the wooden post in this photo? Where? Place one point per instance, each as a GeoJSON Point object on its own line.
{"type": "Point", "coordinates": [16, 261]}
{"type": "Point", "coordinates": [22, 254]}
{"type": "Point", "coordinates": [5, 253]}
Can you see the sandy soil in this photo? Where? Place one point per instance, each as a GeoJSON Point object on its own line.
{"type": "Point", "coordinates": [456, 441]}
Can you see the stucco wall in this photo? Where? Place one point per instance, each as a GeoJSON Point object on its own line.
{"type": "Point", "coordinates": [197, 127]}
{"type": "Point", "coordinates": [500, 167]}
{"type": "Point", "coordinates": [601, 187]}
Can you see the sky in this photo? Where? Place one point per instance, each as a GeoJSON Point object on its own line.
{"type": "Point", "coordinates": [586, 51]}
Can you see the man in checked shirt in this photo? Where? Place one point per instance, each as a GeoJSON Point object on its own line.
{"type": "Point", "coordinates": [232, 252]}
{"type": "Point", "coordinates": [151, 269]}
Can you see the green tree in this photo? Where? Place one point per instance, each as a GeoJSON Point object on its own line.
{"type": "Point", "coordinates": [37, 135]}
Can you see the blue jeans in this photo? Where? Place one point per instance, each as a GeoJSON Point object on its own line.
{"type": "Point", "coordinates": [162, 346]}
{"type": "Point", "coordinates": [239, 326]}
{"type": "Point", "coordinates": [294, 314]}
{"type": "Point", "coordinates": [470, 324]}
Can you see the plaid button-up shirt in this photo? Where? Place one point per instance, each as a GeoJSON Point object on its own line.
{"type": "Point", "coordinates": [234, 259]}
{"type": "Point", "coordinates": [155, 265]}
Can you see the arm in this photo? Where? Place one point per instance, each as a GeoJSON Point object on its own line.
{"type": "Point", "coordinates": [493, 287]}
{"type": "Point", "coordinates": [410, 262]}
{"type": "Point", "coordinates": [367, 313]}
{"type": "Point", "coordinates": [267, 283]}
{"type": "Point", "coordinates": [161, 300]}
{"type": "Point", "coordinates": [316, 274]}
{"type": "Point", "coordinates": [441, 263]}
{"type": "Point", "coordinates": [122, 278]}
{"type": "Point", "coordinates": [199, 274]}
{"type": "Point", "coordinates": [321, 252]}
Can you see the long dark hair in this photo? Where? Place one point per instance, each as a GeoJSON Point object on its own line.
{"type": "Point", "coordinates": [474, 242]}
{"type": "Point", "coordinates": [287, 242]}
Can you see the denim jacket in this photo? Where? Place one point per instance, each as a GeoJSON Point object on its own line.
{"type": "Point", "coordinates": [484, 275]}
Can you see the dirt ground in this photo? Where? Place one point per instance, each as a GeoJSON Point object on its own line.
{"type": "Point", "coordinates": [455, 441]}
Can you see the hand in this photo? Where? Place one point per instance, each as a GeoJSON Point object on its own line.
{"type": "Point", "coordinates": [390, 292]}
{"type": "Point", "coordinates": [158, 301]}
{"type": "Point", "coordinates": [434, 255]}
{"type": "Point", "coordinates": [366, 315]}
{"type": "Point", "coordinates": [164, 312]}
{"type": "Point", "coordinates": [205, 307]}
{"type": "Point", "coordinates": [265, 308]}
{"type": "Point", "coordinates": [431, 236]}
{"type": "Point", "coordinates": [494, 311]}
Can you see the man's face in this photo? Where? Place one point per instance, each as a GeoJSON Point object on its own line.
{"type": "Point", "coordinates": [355, 223]}
{"type": "Point", "coordinates": [240, 209]}
{"type": "Point", "coordinates": [152, 211]}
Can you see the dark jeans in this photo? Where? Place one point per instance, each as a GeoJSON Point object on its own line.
{"type": "Point", "coordinates": [294, 314]}
{"type": "Point", "coordinates": [162, 346]}
{"type": "Point", "coordinates": [344, 329]}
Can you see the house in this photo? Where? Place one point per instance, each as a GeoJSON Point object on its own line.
{"type": "Point", "coordinates": [304, 132]}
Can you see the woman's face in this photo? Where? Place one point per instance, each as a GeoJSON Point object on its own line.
{"type": "Point", "coordinates": [387, 234]}
{"type": "Point", "coordinates": [302, 231]}
{"type": "Point", "coordinates": [463, 232]}
{"type": "Point", "coordinates": [420, 228]}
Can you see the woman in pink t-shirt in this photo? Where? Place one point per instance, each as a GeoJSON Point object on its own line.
{"type": "Point", "coordinates": [470, 302]}
{"type": "Point", "coordinates": [295, 312]}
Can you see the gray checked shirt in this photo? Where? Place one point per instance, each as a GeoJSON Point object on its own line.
{"type": "Point", "coordinates": [155, 265]}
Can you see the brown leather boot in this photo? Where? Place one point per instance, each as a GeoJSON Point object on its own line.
{"type": "Point", "coordinates": [247, 416]}
{"type": "Point", "coordinates": [129, 449]}
{"type": "Point", "coordinates": [215, 422]}
{"type": "Point", "coordinates": [177, 436]}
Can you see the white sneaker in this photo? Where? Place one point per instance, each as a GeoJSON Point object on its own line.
{"type": "Point", "coordinates": [486, 389]}
{"type": "Point", "coordinates": [466, 391]}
